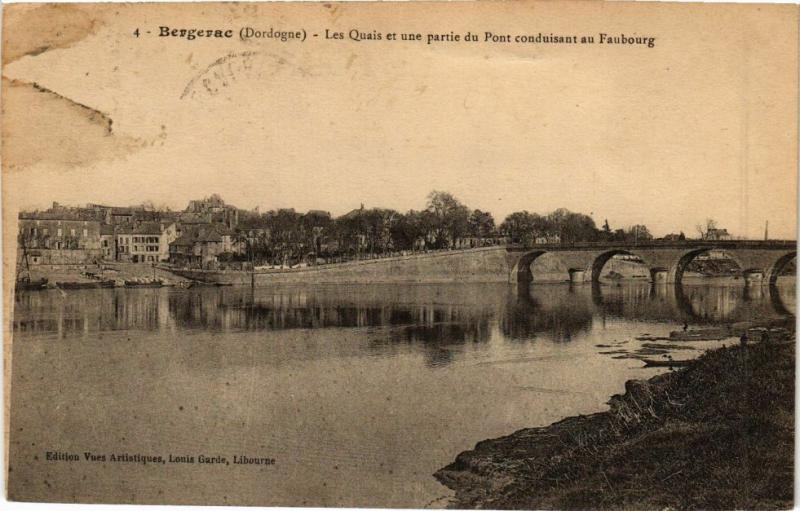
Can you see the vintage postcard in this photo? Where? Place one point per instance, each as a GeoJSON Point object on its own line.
{"type": "Point", "coordinates": [521, 254]}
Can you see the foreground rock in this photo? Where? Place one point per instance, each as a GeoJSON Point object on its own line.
{"type": "Point", "coordinates": [718, 434]}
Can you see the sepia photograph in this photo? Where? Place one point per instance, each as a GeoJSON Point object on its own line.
{"type": "Point", "coordinates": [466, 255]}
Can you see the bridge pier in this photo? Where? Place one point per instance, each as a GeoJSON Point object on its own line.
{"type": "Point", "coordinates": [577, 275]}
{"type": "Point", "coordinates": [659, 275]}
{"type": "Point", "coordinates": [754, 292]}
{"type": "Point", "coordinates": [753, 277]}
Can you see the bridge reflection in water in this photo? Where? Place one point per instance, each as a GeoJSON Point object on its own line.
{"type": "Point", "coordinates": [426, 313]}
{"type": "Point", "coordinates": [305, 371]}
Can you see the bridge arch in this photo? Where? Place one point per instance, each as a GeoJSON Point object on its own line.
{"type": "Point", "coordinates": [601, 260]}
{"type": "Point", "coordinates": [777, 267]}
{"type": "Point", "coordinates": [777, 302]}
{"type": "Point", "coordinates": [772, 279]}
{"type": "Point", "coordinates": [521, 272]}
{"type": "Point", "coordinates": [676, 273]}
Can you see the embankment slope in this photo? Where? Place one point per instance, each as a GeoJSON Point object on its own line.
{"type": "Point", "coordinates": [475, 265]}
{"type": "Point", "coordinates": [718, 434]}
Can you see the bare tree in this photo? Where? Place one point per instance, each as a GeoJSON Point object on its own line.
{"type": "Point", "coordinates": [703, 230]}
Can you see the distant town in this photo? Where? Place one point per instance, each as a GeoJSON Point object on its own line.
{"type": "Point", "coordinates": [210, 233]}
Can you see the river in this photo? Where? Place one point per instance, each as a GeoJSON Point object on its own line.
{"type": "Point", "coordinates": [359, 393]}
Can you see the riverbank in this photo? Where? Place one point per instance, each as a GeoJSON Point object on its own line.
{"type": "Point", "coordinates": [717, 434]}
{"type": "Point", "coordinates": [119, 273]}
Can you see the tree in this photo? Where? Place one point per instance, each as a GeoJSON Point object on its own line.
{"type": "Point", "coordinates": [571, 226]}
{"type": "Point", "coordinates": [450, 218]}
{"type": "Point", "coordinates": [638, 233]}
{"type": "Point", "coordinates": [481, 224]}
{"type": "Point", "coordinates": [285, 235]}
{"type": "Point", "coordinates": [606, 234]}
{"type": "Point", "coordinates": [703, 230]}
{"type": "Point", "coordinates": [521, 226]}
{"type": "Point", "coordinates": [315, 225]}
{"type": "Point", "coordinates": [407, 230]}
{"type": "Point", "coordinates": [378, 223]}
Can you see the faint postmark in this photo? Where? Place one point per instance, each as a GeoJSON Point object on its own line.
{"type": "Point", "coordinates": [238, 67]}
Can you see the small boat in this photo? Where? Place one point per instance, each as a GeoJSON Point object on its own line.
{"type": "Point", "coordinates": [85, 285]}
{"type": "Point", "coordinates": [143, 283]}
{"type": "Point", "coordinates": [77, 285]}
{"type": "Point", "coordinates": [200, 283]}
{"type": "Point", "coordinates": [30, 285]}
{"type": "Point", "coordinates": [705, 334]}
{"type": "Point", "coordinates": [665, 363]}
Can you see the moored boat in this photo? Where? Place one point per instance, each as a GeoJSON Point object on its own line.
{"type": "Point", "coordinates": [144, 283]}
{"type": "Point", "coordinates": [665, 363]}
{"type": "Point", "coordinates": [30, 285]}
{"type": "Point", "coordinates": [85, 285]}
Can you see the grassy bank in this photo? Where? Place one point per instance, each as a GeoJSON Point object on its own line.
{"type": "Point", "coordinates": [718, 434]}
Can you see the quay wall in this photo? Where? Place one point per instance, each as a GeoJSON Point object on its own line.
{"type": "Point", "coordinates": [488, 264]}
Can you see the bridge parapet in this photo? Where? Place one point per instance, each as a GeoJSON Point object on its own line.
{"type": "Point", "coordinates": [718, 244]}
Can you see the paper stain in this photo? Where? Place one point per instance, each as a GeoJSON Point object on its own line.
{"type": "Point", "coordinates": [41, 125]}
{"type": "Point", "coordinates": [94, 115]}
{"type": "Point", "coordinates": [32, 30]}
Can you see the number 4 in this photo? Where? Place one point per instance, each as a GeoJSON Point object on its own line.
{"type": "Point", "coordinates": [136, 32]}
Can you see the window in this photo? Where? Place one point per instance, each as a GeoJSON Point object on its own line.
{"type": "Point", "coordinates": [85, 232]}
{"type": "Point", "coordinates": [59, 231]}
{"type": "Point", "coordinates": [72, 232]}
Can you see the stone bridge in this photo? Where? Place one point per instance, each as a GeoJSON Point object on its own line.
{"type": "Point", "coordinates": [760, 261]}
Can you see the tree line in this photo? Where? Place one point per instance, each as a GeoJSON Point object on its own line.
{"type": "Point", "coordinates": [286, 236]}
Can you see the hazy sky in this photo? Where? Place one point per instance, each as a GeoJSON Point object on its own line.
{"type": "Point", "coordinates": [701, 126]}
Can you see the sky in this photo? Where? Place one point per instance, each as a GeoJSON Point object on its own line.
{"type": "Point", "coordinates": [703, 125]}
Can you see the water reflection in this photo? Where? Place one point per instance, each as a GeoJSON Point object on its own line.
{"type": "Point", "coordinates": [557, 310]}
{"type": "Point", "coordinates": [417, 314]}
{"type": "Point", "coordinates": [340, 383]}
